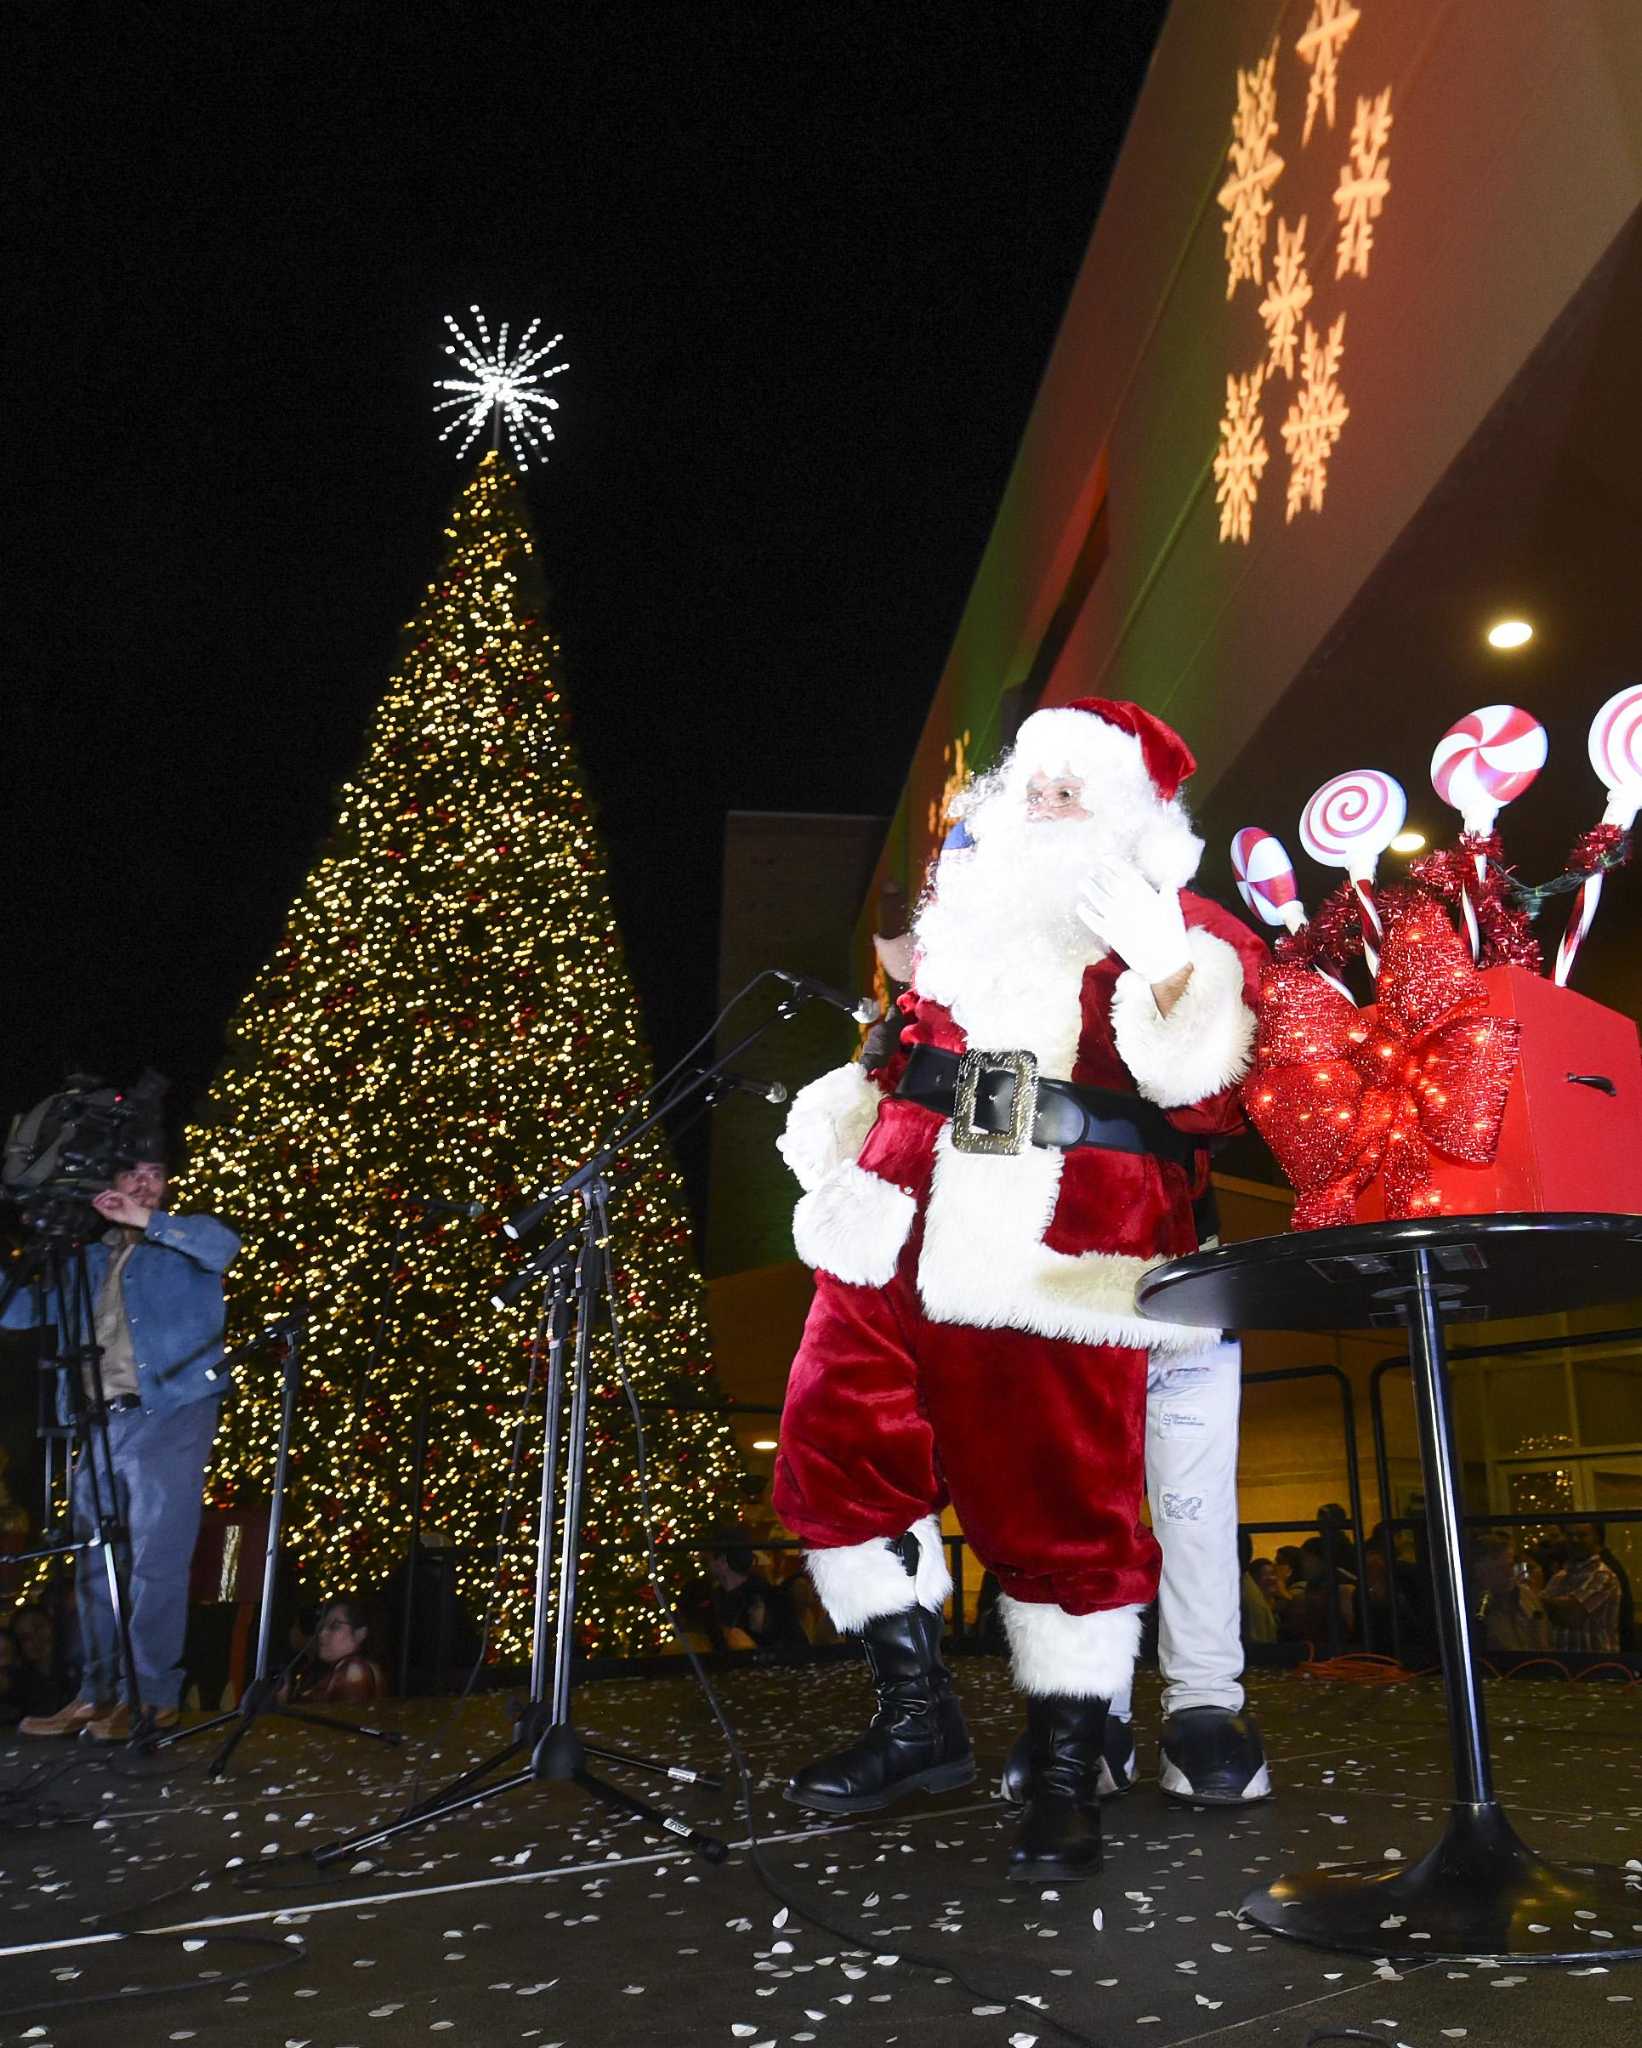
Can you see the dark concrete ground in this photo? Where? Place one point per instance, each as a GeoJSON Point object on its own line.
{"type": "Point", "coordinates": [540, 1919]}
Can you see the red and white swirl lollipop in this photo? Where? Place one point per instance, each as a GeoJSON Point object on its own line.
{"type": "Point", "coordinates": [1265, 881]}
{"type": "Point", "coordinates": [1348, 824]}
{"type": "Point", "coordinates": [1616, 755]}
{"type": "Point", "coordinates": [1483, 762]}
{"type": "Point", "coordinates": [1265, 877]}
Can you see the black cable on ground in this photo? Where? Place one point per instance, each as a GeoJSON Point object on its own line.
{"type": "Point", "coordinates": [288, 1950]}
{"type": "Point", "coordinates": [22, 1806]}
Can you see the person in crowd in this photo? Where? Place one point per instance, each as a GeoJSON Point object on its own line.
{"type": "Point", "coordinates": [1582, 1599]}
{"type": "Point", "coordinates": [156, 1285]}
{"type": "Point", "coordinates": [1510, 1615]}
{"type": "Point", "coordinates": [1290, 1573]}
{"type": "Point", "coordinates": [343, 1671]}
{"type": "Point", "coordinates": [747, 1603]}
{"type": "Point", "coordinates": [36, 1635]}
{"type": "Point", "coordinates": [1259, 1617]}
{"type": "Point", "coordinates": [1320, 1588]}
{"type": "Point", "coordinates": [1627, 1600]}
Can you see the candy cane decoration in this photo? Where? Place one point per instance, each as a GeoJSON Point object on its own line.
{"type": "Point", "coordinates": [1616, 754]}
{"type": "Point", "coordinates": [1348, 824]}
{"type": "Point", "coordinates": [1483, 762]}
{"type": "Point", "coordinates": [1265, 881]}
{"type": "Point", "coordinates": [1265, 878]}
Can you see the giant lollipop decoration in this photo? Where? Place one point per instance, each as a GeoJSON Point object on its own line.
{"type": "Point", "coordinates": [1348, 824]}
{"type": "Point", "coordinates": [1265, 878]}
{"type": "Point", "coordinates": [1616, 755]}
{"type": "Point", "coordinates": [1483, 762]}
{"type": "Point", "coordinates": [1265, 881]}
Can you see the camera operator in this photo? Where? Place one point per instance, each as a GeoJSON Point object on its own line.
{"type": "Point", "coordinates": [156, 1281]}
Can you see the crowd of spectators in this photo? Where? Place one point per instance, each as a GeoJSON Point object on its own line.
{"type": "Point", "coordinates": [1563, 1592]}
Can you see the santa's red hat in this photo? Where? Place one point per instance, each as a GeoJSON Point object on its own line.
{"type": "Point", "coordinates": [1132, 765]}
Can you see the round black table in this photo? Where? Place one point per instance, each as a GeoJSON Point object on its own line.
{"type": "Point", "coordinates": [1481, 1891]}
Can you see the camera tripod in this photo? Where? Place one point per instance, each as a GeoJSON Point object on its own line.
{"type": "Point", "coordinates": [55, 1268]}
{"type": "Point", "coordinates": [262, 1695]}
{"type": "Point", "coordinates": [577, 1268]}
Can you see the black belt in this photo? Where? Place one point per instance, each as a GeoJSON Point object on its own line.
{"type": "Point", "coordinates": [124, 1401]}
{"type": "Point", "coordinates": [999, 1102]}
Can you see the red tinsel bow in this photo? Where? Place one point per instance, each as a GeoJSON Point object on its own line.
{"type": "Point", "coordinates": [1342, 1095]}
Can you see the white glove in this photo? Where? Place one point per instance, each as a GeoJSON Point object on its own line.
{"type": "Point", "coordinates": [1142, 925]}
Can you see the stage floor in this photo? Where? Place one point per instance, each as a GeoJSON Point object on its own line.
{"type": "Point", "coordinates": [538, 1919]}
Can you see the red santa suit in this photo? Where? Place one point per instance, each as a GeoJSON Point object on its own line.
{"type": "Point", "coordinates": [974, 1337]}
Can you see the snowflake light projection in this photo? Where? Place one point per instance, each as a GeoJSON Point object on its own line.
{"type": "Point", "coordinates": [1243, 455]}
{"type": "Point", "coordinates": [1255, 168]}
{"type": "Point", "coordinates": [504, 393]}
{"type": "Point", "coordinates": [1363, 184]}
{"type": "Point", "coordinates": [1287, 297]}
{"type": "Point", "coordinates": [1319, 45]}
{"type": "Point", "coordinates": [1304, 338]}
{"type": "Point", "coordinates": [1313, 423]}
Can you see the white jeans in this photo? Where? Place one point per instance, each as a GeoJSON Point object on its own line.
{"type": "Point", "coordinates": [1191, 1480]}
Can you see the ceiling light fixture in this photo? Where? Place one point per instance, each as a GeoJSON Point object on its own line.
{"type": "Point", "coordinates": [763, 1443]}
{"type": "Point", "coordinates": [1408, 842]}
{"type": "Point", "coordinates": [1508, 633]}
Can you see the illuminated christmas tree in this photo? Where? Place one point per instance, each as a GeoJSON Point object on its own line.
{"type": "Point", "coordinates": [449, 1013]}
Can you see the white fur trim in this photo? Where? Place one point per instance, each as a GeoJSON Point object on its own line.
{"type": "Point", "coordinates": [1024, 993]}
{"type": "Point", "coordinates": [857, 1582]}
{"type": "Point", "coordinates": [1078, 1656]}
{"type": "Point", "coordinates": [1169, 850]}
{"type": "Point", "coordinates": [1203, 1045]}
{"type": "Point", "coordinates": [983, 1261]}
{"type": "Point", "coordinates": [853, 1225]}
{"type": "Point", "coordinates": [828, 1122]}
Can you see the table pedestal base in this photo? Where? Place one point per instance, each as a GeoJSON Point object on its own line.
{"type": "Point", "coordinates": [1480, 1892]}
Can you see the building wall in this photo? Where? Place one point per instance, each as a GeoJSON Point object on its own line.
{"type": "Point", "coordinates": [1514, 160]}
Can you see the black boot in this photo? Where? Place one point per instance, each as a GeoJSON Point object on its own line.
{"type": "Point", "coordinates": [1117, 1763]}
{"type": "Point", "coordinates": [1059, 1834]}
{"type": "Point", "coordinates": [917, 1741]}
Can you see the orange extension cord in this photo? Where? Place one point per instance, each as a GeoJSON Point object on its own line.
{"type": "Point", "coordinates": [1361, 1667]}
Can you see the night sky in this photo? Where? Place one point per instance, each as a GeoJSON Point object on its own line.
{"type": "Point", "coordinates": [808, 262]}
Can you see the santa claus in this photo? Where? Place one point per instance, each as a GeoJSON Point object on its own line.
{"type": "Point", "coordinates": [978, 1212]}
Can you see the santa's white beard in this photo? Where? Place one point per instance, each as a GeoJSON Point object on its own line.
{"type": "Point", "coordinates": [1001, 944]}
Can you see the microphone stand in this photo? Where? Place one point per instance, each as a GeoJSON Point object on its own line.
{"type": "Point", "coordinates": [528, 1221]}
{"type": "Point", "coordinates": [261, 1696]}
{"type": "Point", "coordinates": [543, 1732]}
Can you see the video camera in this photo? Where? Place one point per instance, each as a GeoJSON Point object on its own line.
{"type": "Point", "coordinates": [70, 1146]}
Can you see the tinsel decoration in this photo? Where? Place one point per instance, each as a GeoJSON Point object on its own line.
{"type": "Point", "coordinates": [1332, 939]}
{"type": "Point", "coordinates": [1344, 1096]}
{"type": "Point", "coordinates": [1504, 926]}
{"type": "Point", "coordinates": [1594, 852]}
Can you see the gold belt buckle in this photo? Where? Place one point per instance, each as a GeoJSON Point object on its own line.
{"type": "Point", "coordinates": [1023, 1107]}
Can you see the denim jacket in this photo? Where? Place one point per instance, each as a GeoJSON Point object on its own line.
{"type": "Point", "coordinates": [174, 1303]}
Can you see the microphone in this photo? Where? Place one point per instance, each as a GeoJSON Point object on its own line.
{"type": "Point", "coordinates": [507, 1292]}
{"type": "Point", "coordinates": [862, 1008]}
{"type": "Point", "coordinates": [766, 1091]}
{"type": "Point", "coordinates": [436, 1205]}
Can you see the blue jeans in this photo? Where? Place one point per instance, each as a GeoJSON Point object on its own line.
{"type": "Point", "coordinates": [159, 1477]}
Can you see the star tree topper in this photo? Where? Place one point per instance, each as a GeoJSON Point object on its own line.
{"type": "Point", "coordinates": [506, 393]}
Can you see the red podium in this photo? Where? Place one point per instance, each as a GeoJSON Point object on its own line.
{"type": "Point", "coordinates": [1571, 1139]}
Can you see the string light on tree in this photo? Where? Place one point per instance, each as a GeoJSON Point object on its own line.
{"type": "Point", "coordinates": [506, 395]}
{"type": "Point", "coordinates": [449, 1013]}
